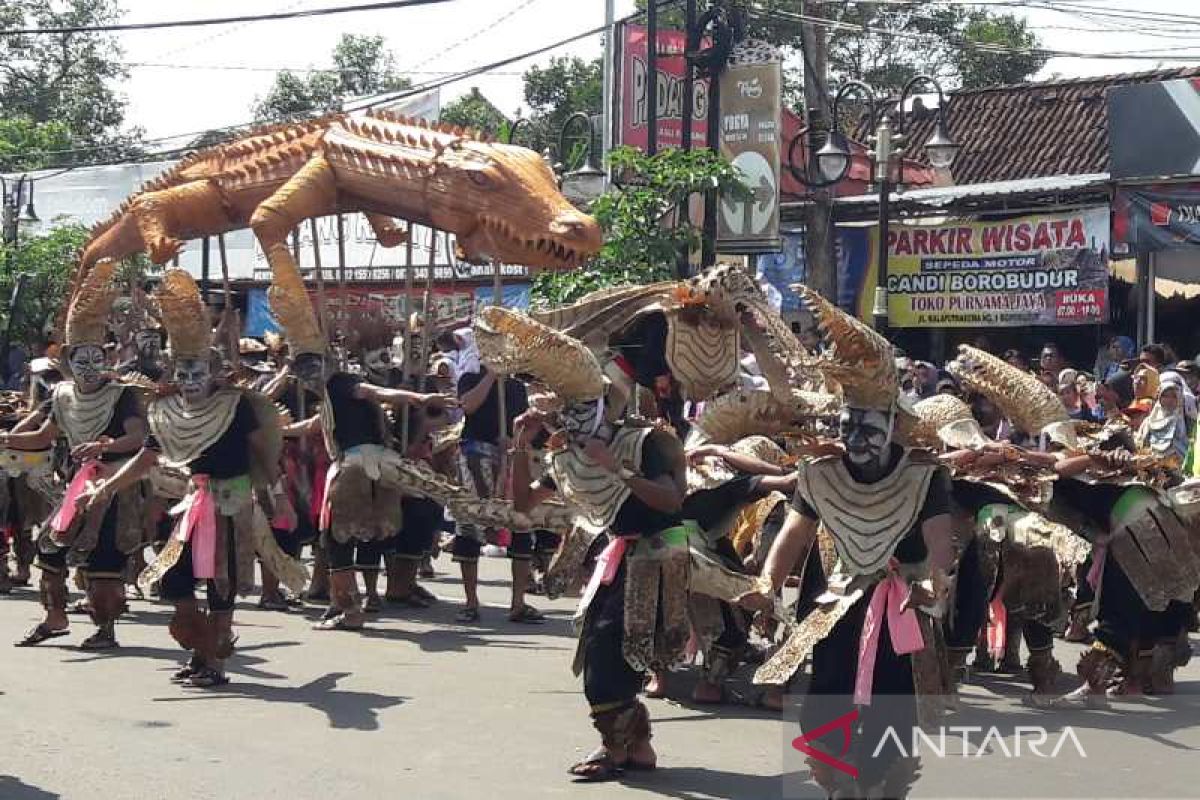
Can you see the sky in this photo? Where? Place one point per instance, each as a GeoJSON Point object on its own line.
{"type": "Point", "coordinates": [169, 100]}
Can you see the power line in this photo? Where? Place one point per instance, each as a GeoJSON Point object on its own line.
{"type": "Point", "coordinates": [254, 68]}
{"type": "Point", "coordinates": [987, 47]}
{"type": "Point", "coordinates": [195, 23]}
{"type": "Point", "coordinates": [353, 105]}
{"type": "Point", "coordinates": [470, 38]}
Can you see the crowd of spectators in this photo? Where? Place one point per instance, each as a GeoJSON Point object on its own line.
{"type": "Point", "coordinates": [1151, 387]}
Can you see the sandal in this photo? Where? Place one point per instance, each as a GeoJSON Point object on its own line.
{"type": "Point", "coordinates": [206, 678]}
{"type": "Point", "coordinates": [597, 767]}
{"type": "Point", "coordinates": [409, 601]}
{"type": "Point", "coordinates": [40, 633]}
{"type": "Point", "coordinates": [467, 615]}
{"type": "Point", "coordinates": [273, 604]}
{"type": "Point", "coordinates": [100, 640]}
{"type": "Point", "coordinates": [338, 623]}
{"type": "Point", "coordinates": [528, 615]}
{"type": "Point", "coordinates": [187, 671]}
{"type": "Point", "coordinates": [373, 605]}
{"type": "Point", "coordinates": [423, 593]}
{"type": "Point", "coordinates": [80, 607]}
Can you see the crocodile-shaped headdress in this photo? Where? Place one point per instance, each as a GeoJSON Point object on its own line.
{"type": "Point", "coordinates": [855, 358]}
{"type": "Point", "coordinates": [1025, 401]}
{"type": "Point", "coordinates": [512, 343]}
{"type": "Point", "coordinates": [184, 315]}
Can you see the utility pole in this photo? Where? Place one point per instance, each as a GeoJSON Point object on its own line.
{"type": "Point", "coordinates": [683, 265]}
{"type": "Point", "coordinates": [652, 77]}
{"type": "Point", "coordinates": [609, 114]}
{"type": "Point", "coordinates": [819, 240]}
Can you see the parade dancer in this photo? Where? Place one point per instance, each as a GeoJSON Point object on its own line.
{"type": "Point", "coordinates": [229, 441]}
{"type": "Point", "coordinates": [887, 511]}
{"type": "Point", "coordinates": [628, 481]}
{"type": "Point", "coordinates": [103, 424]}
{"type": "Point", "coordinates": [29, 491]}
{"type": "Point", "coordinates": [363, 496]}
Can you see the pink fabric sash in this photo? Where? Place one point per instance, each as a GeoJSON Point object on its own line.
{"type": "Point", "coordinates": [997, 627]}
{"type": "Point", "coordinates": [1099, 555]}
{"type": "Point", "coordinates": [325, 517]}
{"type": "Point", "coordinates": [65, 515]}
{"type": "Point", "coordinates": [889, 595]}
{"type": "Point", "coordinates": [198, 525]}
{"type": "Point", "coordinates": [606, 568]}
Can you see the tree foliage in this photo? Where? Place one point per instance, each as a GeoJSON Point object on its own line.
{"type": "Point", "coordinates": [362, 65]}
{"type": "Point", "coordinates": [48, 259]}
{"type": "Point", "coordinates": [51, 85]}
{"type": "Point", "coordinates": [475, 111]}
{"type": "Point", "coordinates": [643, 229]}
{"type": "Point", "coordinates": [903, 40]}
{"type": "Point", "coordinates": [29, 145]}
{"type": "Point", "coordinates": [555, 92]}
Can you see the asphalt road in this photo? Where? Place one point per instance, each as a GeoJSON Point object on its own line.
{"type": "Point", "coordinates": [419, 706]}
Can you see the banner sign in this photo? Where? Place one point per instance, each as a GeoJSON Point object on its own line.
{"type": "Point", "coordinates": [789, 266]}
{"type": "Point", "coordinates": [1153, 218]}
{"type": "Point", "coordinates": [632, 101]}
{"type": "Point", "coordinates": [1048, 269]}
{"type": "Point", "coordinates": [449, 305]}
{"type": "Point", "coordinates": [750, 139]}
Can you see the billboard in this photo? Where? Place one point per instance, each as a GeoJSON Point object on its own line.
{"type": "Point", "coordinates": [750, 139]}
{"type": "Point", "coordinates": [632, 95]}
{"type": "Point", "coordinates": [1043, 269]}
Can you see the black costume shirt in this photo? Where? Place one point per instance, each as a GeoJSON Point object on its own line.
{"type": "Point", "coordinates": [484, 424]}
{"type": "Point", "coordinates": [229, 456]}
{"type": "Point", "coordinates": [355, 421]}
{"type": "Point", "coordinates": [635, 518]}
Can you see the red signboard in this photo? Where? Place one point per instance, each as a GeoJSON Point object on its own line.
{"type": "Point", "coordinates": [671, 69]}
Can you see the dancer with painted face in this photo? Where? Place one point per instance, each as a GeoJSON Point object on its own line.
{"type": "Point", "coordinates": [103, 424]}
{"type": "Point", "coordinates": [148, 356]}
{"type": "Point", "coordinates": [228, 442]}
{"type": "Point", "coordinates": [362, 506]}
{"type": "Point", "coordinates": [622, 479]}
{"type": "Point", "coordinates": [887, 512]}
{"type": "Point", "coordinates": [371, 340]}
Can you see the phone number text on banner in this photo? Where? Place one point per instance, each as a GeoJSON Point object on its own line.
{"type": "Point", "coordinates": [1048, 269]}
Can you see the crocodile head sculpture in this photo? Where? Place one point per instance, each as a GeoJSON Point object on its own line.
{"type": "Point", "coordinates": [503, 203]}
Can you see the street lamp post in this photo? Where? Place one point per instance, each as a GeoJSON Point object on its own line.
{"type": "Point", "coordinates": [586, 182]}
{"type": "Point", "coordinates": [833, 162]}
{"type": "Point", "coordinates": [12, 212]}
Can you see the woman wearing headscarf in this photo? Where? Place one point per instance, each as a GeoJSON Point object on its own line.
{"type": "Point", "coordinates": [1146, 381]}
{"type": "Point", "coordinates": [1165, 430]}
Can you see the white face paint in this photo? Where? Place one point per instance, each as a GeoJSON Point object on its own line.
{"type": "Point", "coordinates": [148, 344]}
{"type": "Point", "coordinates": [193, 376]}
{"type": "Point", "coordinates": [378, 361]}
{"type": "Point", "coordinates": [87, 365]}
{"type": "Point", "coordinates": [865, 435]}
{"type": "Point", "coordinates": [309, 369]}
